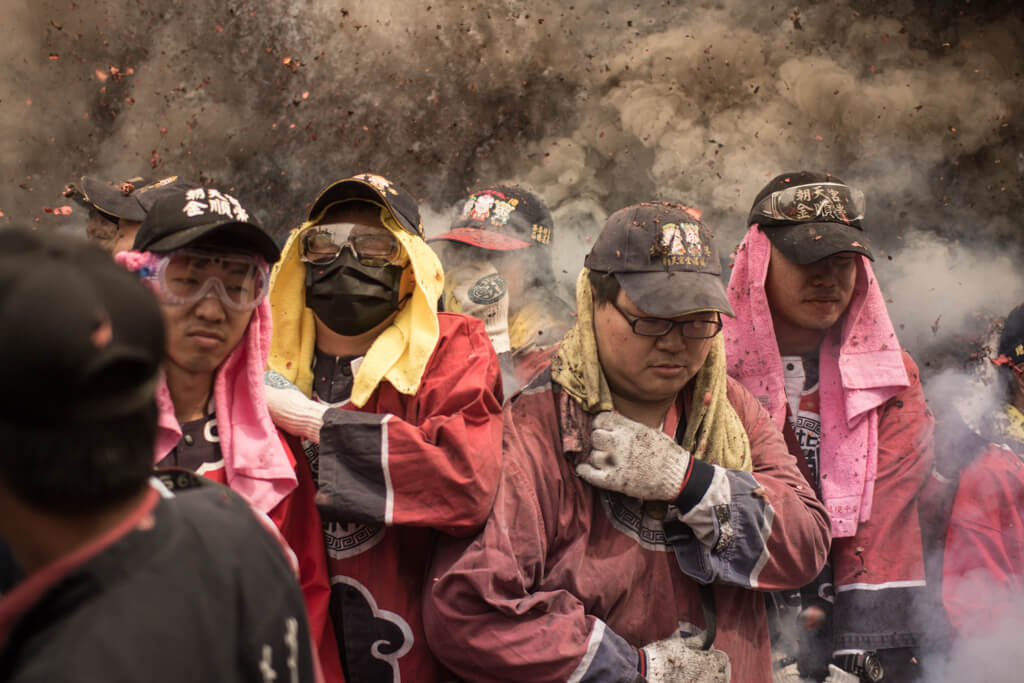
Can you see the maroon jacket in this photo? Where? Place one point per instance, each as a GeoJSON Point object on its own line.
{"type": "Point", "coordinates": [566, 580]}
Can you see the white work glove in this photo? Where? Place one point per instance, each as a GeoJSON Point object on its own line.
{"type": "Point", "coordinates": [837, 675]}
{"type": "Point", "coordinates": [480, 291]}
{"type": "Point", "coordinates": [787, 674]}
{"type": "Point", "coordinates": [633, 459]}
{"type": "Point", "coordinates": [679, 658]}
{"type": "Point", "coordinates": [291, 410]}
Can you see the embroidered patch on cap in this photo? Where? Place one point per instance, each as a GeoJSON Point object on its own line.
{"type": "Point", "coordinates": [681, 244]}
{"type": "Point", "coordinates": [490, 206]}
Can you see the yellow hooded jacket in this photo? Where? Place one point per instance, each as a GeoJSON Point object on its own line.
{"type": "Point", "coordinates": [400, 353]}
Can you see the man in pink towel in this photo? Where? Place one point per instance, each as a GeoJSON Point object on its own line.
{"type": "Point", "coordinates": [207, 259]}
{"type": "Point", "coordinates": [813, 341]}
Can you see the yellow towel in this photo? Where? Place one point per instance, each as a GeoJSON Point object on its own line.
{"type": "Point", "coordinates": [714, 432]}
{"type": "Point", "coordinates": [534, 325]}
{"type": "Point", "coordinates": [1015, 423]}
{"type": "Point", "coordinates": [399, 354]}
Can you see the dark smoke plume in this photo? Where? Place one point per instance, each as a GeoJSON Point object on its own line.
{"type": "Point", "coordinates": [594, 104]}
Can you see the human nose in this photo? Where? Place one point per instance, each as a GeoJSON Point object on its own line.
{"type": "Point", "coordinates": [210, 307]}
{"type": "Point", "coordinates": [825, 273]}
{"type": "Point", "coordinates": [673, 340]}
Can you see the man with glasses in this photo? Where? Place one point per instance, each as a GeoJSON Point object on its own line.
{"type": "Point", "coordinates": [207, 260]}
{"type": "Point", "coordinates": [397, 406]}
{"type": "Point", "coordinates": [813, 341]}
{"type": "Point", "coordinates": [644, 495]}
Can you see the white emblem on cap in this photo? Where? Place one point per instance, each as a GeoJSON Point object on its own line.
{"type": "Point", "coordinates": [672, 240]}
{"type": "Point", "coordinates": [692, 238]}
{"type": "Point", "coordinates": [681, 244]}
{"type": "Point", "coordinates": [217, 203]}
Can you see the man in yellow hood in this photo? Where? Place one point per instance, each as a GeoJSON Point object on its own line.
{"type": "Point", "coordinates": [398, 409]}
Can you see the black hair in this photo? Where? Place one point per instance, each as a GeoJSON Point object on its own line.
{"type": "Point", "coordinates": [76, 469]}
{"type": "Point", "coordinates": [604, 286]}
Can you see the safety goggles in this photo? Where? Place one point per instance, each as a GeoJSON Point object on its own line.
{"type": "Point", "coordinates": [814, 202]}
{"type": "Point", "coordinates": [372, 245]}
{"type": "Point", "coordinates": [186, 276]}
{"type": "Point", "coordinates": [659, 327]}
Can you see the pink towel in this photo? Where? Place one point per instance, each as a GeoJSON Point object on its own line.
{"type": "Point", "coordinates": [860, 368]}
{"type": "Point", "coordinates": [256, 463]}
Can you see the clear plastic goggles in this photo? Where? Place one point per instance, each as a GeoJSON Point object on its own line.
{"type": "Point", "coordinates": [814, 202]}
{"type": "Point", "coordinates": [186, 276]}
{"type": "Point", "coordinates": [372, 245]}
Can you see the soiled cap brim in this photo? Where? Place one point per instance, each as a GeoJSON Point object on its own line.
{"type": "Point", "coordinates": [804, 243]}
{"type": "Point", "coordinates": [111, 200]}
{"type": "Point", "coordinates": [667, 294]}
{"type": "Point", "coordinates": [485, 239]}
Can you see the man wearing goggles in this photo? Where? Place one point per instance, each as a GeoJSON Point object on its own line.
{"type": "Point", "coordinates": [187, 276]}
{"type": "Point", "coordinates": [205, 257]}
{"type": "Point", "coordinates": [397, 406]}
{"type": "Point", "coordinates": [812, 339]}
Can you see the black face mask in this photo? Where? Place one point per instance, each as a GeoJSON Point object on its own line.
{"type": "Point", "coordinates": [351, 298]}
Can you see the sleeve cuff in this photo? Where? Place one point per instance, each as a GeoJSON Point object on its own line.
{"type": "Point", "coordinates": [697, 484]}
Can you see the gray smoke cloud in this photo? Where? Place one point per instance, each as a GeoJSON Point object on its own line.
{"type": "Point", "coordinates": [593, 104]}
{"type": "Point", "coordinates": [990, 652]}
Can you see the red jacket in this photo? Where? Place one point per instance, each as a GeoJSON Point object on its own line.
{"type": "Point", "coordinates": [566, 580]}
{"type": "Point", "coordinates": [391, 475]}
{"type": "Point", "coordinates": [879, 572]}
{"type": "Point", "coordinates": [983, 573]}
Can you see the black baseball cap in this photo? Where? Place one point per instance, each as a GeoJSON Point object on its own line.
{"type": "Point", "coordinates": [372, 188]}
{"type": "Point", "coordinates": [185, 216]}
{"type": "Point", "coordinates": [809, 216]}
{"type": "Point", "coordinates": [130, 199]}
{"type": "Point", "coordinates": [665, 259]}
{"type": "Point", "coordinates": [501, 218]}
{"type": "Point", "coordinates": [1011, 341]}
{"type": "Point", "coordinates": [80, 337]}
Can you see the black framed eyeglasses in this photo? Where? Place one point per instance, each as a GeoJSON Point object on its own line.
{"type": "Point", "coordinates": [659, 327]}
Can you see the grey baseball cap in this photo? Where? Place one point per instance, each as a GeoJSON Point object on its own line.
{"type": "Point", "coordinates": [664, 258]}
